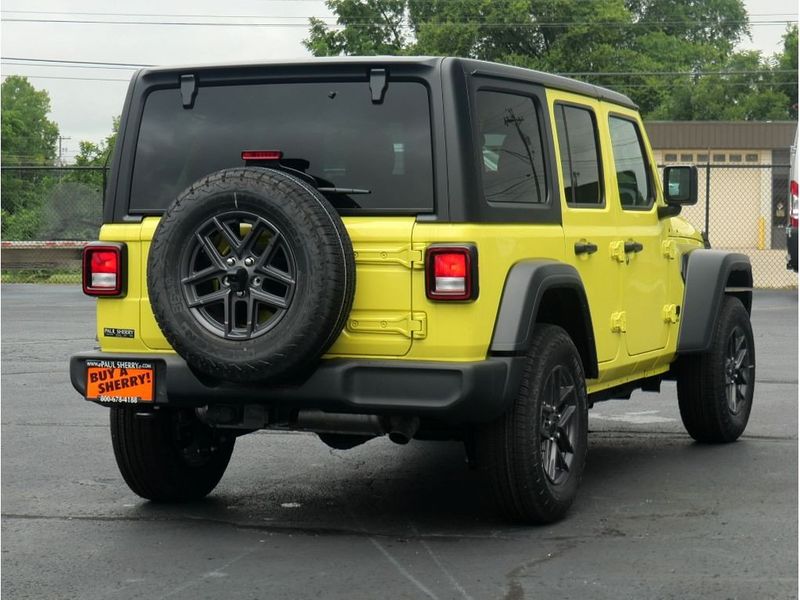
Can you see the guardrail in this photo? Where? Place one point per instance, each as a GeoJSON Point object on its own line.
{"type": "Point", "coordinates": [34, 255]}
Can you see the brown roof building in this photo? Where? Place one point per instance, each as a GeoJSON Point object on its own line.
{"type": "Point", "coordinates": [742, 135]}
{"type": "Point", "coordinates": [743, 189]}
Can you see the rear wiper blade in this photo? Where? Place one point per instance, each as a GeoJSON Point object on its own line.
{"type": "Point", "coordinates": [338, 190]}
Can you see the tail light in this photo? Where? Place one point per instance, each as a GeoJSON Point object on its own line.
{"type": "Point", "coordinates": [451, 272]}
{"type": "Point", "coordinates": [103, 269]}
{"type": "Point", "coordinates": [793, 208]}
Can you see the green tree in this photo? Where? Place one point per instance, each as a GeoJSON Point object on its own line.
{"type": "Point", "coordinates": [97, 155]}
{"type": "Point", "coordinates": [644, 48]}
{"type": "Point", "coordinates": [28, 138]}
{"type": "Point", "coordinates": [716, 23]}
{"type": "Point", "coordinates": [372, 27]}
{"type": "Point", "coordinates": [74, 208]}
{"type": "Point", "coordinates": [746, 88]}
{"type": "Point", "coordinates": [787, 63]}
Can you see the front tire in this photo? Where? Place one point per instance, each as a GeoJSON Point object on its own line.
{"type": "Point", "coordinates": [169, 455]}
{"type": "Point", "coordinates": [534, 455]}
{"type": "Point", "coordinates": [715, 388]}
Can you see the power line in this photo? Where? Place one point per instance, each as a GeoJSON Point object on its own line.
{"type": "Point", "coordinates": [176, 15]}
{"type": "Point", "coordinates": [689, 73]}
{"type": "Point", "coordinates": [61, 66]}
{"type": "Point", "coordinates": [83, 62]}
{"type": "Point", "coordinates": [55, 77]}
{"type": "Point", "coordinates": [612, 86]}
{"type": "Point", "coordinates": [694, 73]}
{"type": "Point", "coordinates": [295, 17]}
{"type": "Point", "coordinates": [365, 23]}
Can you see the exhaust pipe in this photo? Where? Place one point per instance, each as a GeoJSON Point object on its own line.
{"type": "Point", "coordinates": [345, 424]}
{"type": "Point", "coordinates": [402, 429]}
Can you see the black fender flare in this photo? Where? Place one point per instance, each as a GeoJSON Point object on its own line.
{"type": "Point", "coordinates": [706, 274]}
{"type": "Point", "coordinates": [525, 286]}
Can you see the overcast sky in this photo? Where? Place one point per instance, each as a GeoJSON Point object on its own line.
{"type": "Point", "coordinates": [84, 108]}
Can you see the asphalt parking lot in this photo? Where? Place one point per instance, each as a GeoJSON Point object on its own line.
{"type": "Point", "coordinates": [658, 516]}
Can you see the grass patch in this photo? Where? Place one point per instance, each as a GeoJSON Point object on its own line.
{"type": "Point", "coordinates": [40, 276]}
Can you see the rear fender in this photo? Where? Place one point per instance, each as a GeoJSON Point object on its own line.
{"type": "Point", "coordinates": [544, 291]}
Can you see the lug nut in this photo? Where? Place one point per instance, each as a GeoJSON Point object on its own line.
{"type": "Point", "coordinates": [240, 294]}
{"type": "Point", "coordinates": [249, 261]}
{"type": "Point", "coordinates": [257, 281]}
{"type": "Point", "coordinates": [231, 261]}
{"type": "Point", "coordinates": [226, 281]}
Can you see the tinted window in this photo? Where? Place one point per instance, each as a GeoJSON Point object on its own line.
{"type": "Point", "coordinates": [332, 131]}
{"type": "Point", "coordinates": [633, 179]}
{"type": "Point", "coordinates": [580, 159]}
{"type": "Point", "coordinates": [511, 148]}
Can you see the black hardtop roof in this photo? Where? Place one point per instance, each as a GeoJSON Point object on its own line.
{"type": "Point", "coordinates": [470, 66]}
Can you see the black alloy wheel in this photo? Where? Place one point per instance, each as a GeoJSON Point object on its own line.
{"type": "Point", "coordinates": [739, 370]}
{"type": "Point", "coordinates": [238, 275]}
{"type": "Point", "coordinates": [558, 429]}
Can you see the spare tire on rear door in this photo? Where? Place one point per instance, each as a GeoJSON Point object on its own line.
{"type": "Point", "coordinates": [251, 274]}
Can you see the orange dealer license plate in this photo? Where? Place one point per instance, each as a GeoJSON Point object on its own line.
{"type": "Point", "coordinates": [122, 381]}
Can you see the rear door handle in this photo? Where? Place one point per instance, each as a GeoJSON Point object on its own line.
{"type": "Point", "coordinates": [633, 247]}
{"type": "Point", "coordinates": [585, 248]}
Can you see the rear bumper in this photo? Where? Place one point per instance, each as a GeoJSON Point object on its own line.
{"type": "Point", "coordinates": [452, 392]}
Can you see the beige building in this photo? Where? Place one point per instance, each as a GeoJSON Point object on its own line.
{"type": "Point", "coordinates": [743, 172]}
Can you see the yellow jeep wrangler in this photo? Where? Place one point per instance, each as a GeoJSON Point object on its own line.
{"type": "Point", "coordinates": [429, 248]}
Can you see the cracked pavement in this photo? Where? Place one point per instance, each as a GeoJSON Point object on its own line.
{"type": "Point", "coordinates": [657, 515]}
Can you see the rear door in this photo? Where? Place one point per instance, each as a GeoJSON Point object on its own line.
{"type": "Point", "coordinates": [590, 220]}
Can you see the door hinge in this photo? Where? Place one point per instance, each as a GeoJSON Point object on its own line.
{"type": "Point", "coordinates": [400, 255]}
{"type": "Point", "coordinates": [669, 249]}
{"type": "Point", "coordinates": [618, 322]}
{"type": "Point", "coordinates": [618, 251]}
{"type": "Point", "coordinates": [411, 325]}
{"type": "Point", "coordinates": [671, 313]}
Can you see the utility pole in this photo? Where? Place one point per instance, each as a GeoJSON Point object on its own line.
{"type": "Point", "coordinates": [60, 139]}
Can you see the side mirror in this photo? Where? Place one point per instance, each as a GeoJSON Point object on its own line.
{"type": "Point", "coordinates": [680, 189]}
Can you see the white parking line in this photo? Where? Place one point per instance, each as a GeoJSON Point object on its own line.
{"type": "Point", "coordinates": [640, 417]}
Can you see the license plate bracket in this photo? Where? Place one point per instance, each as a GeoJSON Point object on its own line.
{"type": "Point", "coordinates": [120, 381]}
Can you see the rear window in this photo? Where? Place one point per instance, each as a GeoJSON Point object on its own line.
{"type": "Point", "coordinates": [332, 131]}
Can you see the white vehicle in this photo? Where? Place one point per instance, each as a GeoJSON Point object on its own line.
{"type": "Point", "coordinates": [791, 227]}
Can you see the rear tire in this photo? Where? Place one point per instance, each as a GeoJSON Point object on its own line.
{"type": "Point", "coordinates": [715, 388]}
{"type": "Point", "coordinates": [168, 456]}
{"type": "Point", "coordinates": [525, 453]}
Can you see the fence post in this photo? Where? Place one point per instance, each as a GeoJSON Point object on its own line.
{"type": "Point", "coordinates": [708, 202]}
{"type": "Point", "coordinates": [105, 176]}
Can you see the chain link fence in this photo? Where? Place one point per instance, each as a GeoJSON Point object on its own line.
{"type": "Point", "coordinates": [746, 208]}
{"type": "Point", "coordinates": [48, 211]}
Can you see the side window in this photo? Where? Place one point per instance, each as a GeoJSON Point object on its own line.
{"type": "Point", "coordinates": [510, 142]}
{"type": "Point", "coordinates": [580, 159]}
{"type": "Point", "coordinates": [633, 176]}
